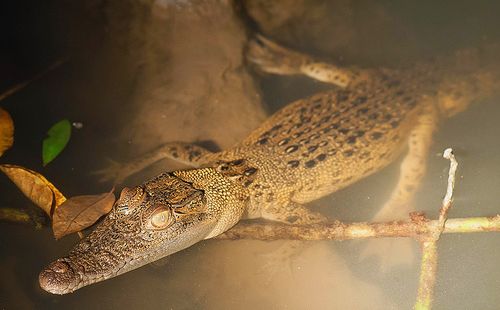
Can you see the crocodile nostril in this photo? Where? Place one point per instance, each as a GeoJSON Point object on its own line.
{"type": "Point", "coordinates": [60, 267]}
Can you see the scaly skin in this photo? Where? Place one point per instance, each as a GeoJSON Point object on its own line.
{"type": "Point", "coordinates": [309, 149]}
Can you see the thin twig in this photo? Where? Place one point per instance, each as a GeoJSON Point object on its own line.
{"type": "Point", "coordinates": [14, 89]}
{"type": "Point", "coordinates": [428, 267]}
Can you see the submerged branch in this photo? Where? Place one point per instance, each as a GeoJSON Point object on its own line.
{"type": "Point", "coordinates": [418, 225]}
{"type": "Point", "coordinates": [429, 262]}
{"type": "Point", "coordinates": [14, 89]}
{"type": "Point", "coordinates": [21, 217]}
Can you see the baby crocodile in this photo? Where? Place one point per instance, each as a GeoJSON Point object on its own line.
{"type": "Point", "coordinates": [308, 149]}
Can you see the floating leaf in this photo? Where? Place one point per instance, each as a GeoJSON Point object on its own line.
{"type": "Point", "coordinates": [80, 212]}
{"type": "Point", "coordinates": [58, 137]}
{"type": "Point", "coordinates": [35, 186]}
{"type": "Point", "coordinates": [6, 131]}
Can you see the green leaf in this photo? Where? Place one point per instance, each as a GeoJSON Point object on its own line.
{"type": "Point", "coordinates": [58, 137]}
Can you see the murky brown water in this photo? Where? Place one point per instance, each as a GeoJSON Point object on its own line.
{"type": "Point", "coordinates": [233, 275]}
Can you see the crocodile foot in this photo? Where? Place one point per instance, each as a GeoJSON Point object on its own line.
{"type": "Point", "coordinates": [391, 252]}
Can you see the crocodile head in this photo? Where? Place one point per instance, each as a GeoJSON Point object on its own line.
{"type": "Point", "coordinates": [160, 217]}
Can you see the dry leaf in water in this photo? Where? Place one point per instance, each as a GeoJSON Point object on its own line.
{"type": "Point", "coordinates": [79, 212]}
{"type": "Point", "coordinates": [6, 131]}
{"type": "Point", "coordinates": [35, 186]}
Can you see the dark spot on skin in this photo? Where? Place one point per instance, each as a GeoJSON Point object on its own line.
{"type": "Point", "coordinates": [393, 83]}
{"type": "Point", "coordinates": [364, 155]}
{"type": "Point", "coordinates": [312, 148]}
{"type": "Point", "coordinates": [291, 149]}
{"type": "Point", "coordinates": [326, 130]}
{"type": "Point", "coordinates": [266, 134]}
{"type": "Point", "coordinates": [325, 119]}
{"type": "Point", "coordinates": [175, 155]}
{"type": "Point", "coordinates": [293, 163]}
{"type": "Point", "coordinates": [297, 134]}
{"type": "Point", "coordinates": [283, 142]}
{"type": "Point", "coordinates": [348, 153]}
{"type": "Point", "coordinates": [247, 183]}
{"type": "Point", "coordinates": [224, 167]}
{"type": "Point", "coordinates": [236, 162]}
{"type": "Point", "coordinates": [351, 140]}
{"type": "Point", "coordinates": [334, 126]}
{"type": "Point", "coordinates": [250, 171]}
{"type": "Point", "coordinates": [310, 164]}
{"type": "Point", "coordinates": [292, 219]}
{"type": "Point", "coordinates": [321, 157]}
{"type": "Point", "coordinates": [387, 117]}
{"type": "Point", "coordinates": [314, 136]}
{"type": "Point", "coordinates": [343, 130]}
{"type": "Point", "coordinates": [394, 124]}
{"type": "Point", "coordinates": [362, 111]}
{"type": "Point", "coordinates": [331, 152]}
{"type": "Point", "coordinates": [317, 105]}
{"type": "Point", "coordinates": [342, 96]}
{"type": "Point", "coordinates": [373, 116]}
{"type": "Point", "coordinates": [400, 93]}
{"type": "Point", "coordinates": [376, 135]}
{"type": "Point", "coordinates": [359, 133]}
{"type": "Point", "coordinates": [304, 120]}
{"type": "Point", "coordinates": [359, 100]}
{"type": "Point", "coordinates": [263, 141]}
{"type": "Point", "coordinates": [276, 127]}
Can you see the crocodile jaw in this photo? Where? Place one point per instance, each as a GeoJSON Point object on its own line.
{"type": "Point", "coordinates": [81, 268]}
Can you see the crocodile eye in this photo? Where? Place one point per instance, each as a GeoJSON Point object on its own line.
{"type": "Point", "coordinates": [161, 218]}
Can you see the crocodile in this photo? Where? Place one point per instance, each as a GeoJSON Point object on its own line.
{"type": "Point", "coordinates": [310, 148]}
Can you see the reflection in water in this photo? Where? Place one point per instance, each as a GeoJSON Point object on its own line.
{"type": "Point", "coordinates": [215, 274]}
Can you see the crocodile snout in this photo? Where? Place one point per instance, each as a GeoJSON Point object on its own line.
{"type": "Point", "coordinates": [59, 278]}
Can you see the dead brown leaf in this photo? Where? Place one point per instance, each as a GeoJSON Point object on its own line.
{"type": "Point", "coordinates": [79, 212]}
{"type": "Point", "coordinates": [36, 187]}
{"type": "Point", "coordinates": [6, 131]}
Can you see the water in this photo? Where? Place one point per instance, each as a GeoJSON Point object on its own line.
{"type": "Point", "coordinates": [95, 88]}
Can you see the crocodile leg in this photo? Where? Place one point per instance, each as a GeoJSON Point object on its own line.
{"type": "Point", "coordinates": [293, 213]}
{"type": "Point", "coordinates": [270, 57]}
{"type": "Point", "coordinates": [412, 168]}
{"type": "Point", "coordinates": [281, 258]}
{"type": "Point", "coordinates": [400, 252]}
{"type": "Point", "coordinates": [185, 153]}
